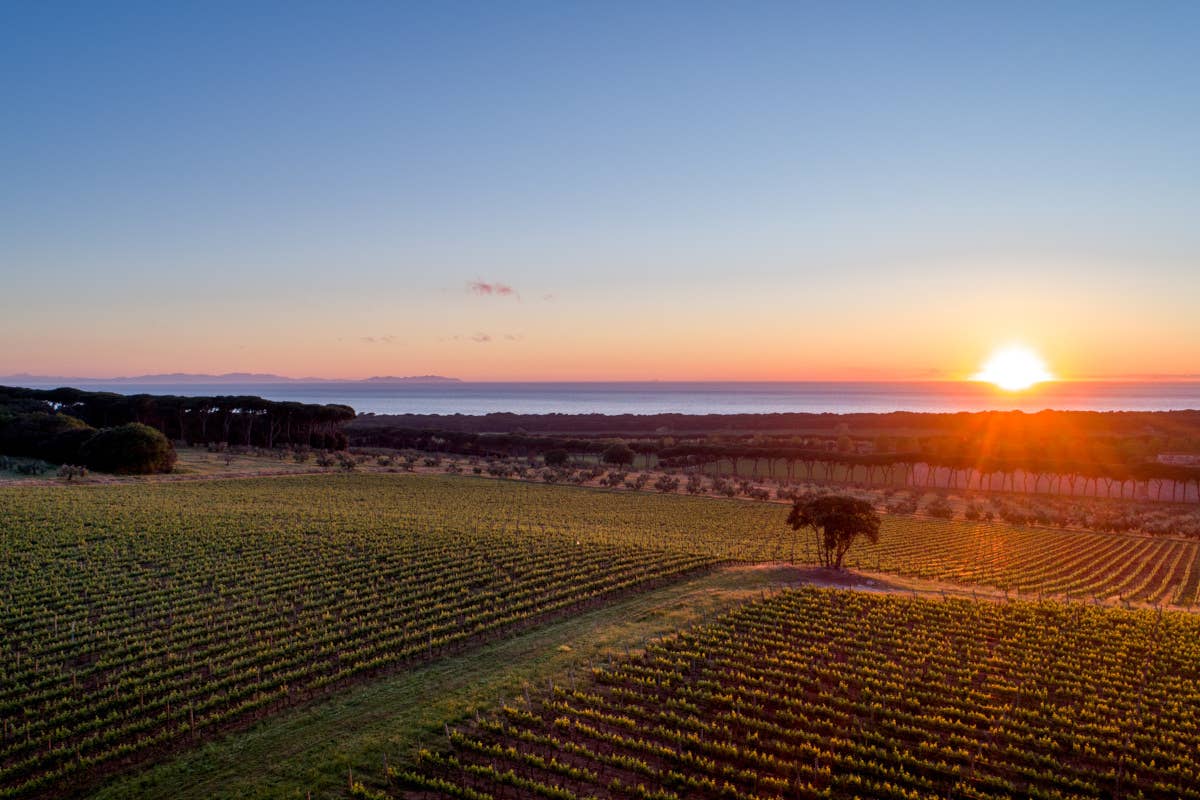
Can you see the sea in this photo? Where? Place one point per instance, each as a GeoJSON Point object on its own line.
{"type": "Point", "coordinates": [655, 397]}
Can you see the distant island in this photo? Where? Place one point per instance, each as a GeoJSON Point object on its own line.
{"type": "Point", "coordinates": [176, 378]}
{"type": "Point", "coordinates": [410, 379]}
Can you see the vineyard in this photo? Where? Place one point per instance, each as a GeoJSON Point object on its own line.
{"type": "Point", "coordinates": [826, 693]}
{"type": "Point", "coordinates": [1076, 564]}
{"type": "Point", "coordinates": [140, 620]}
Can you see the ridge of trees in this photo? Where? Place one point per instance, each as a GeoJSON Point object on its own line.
{"type": "Point", "coordinates": [232, 419]}
{"type": "Point", "coordinates": [1010, 424]}
{"type": "Point", "coordinates": [1091, 464]}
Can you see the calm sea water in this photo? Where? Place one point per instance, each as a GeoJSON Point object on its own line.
{"type": "Point", "coordinates": [702, 398]}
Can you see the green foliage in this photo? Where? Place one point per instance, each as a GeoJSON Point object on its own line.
{"type": "Point", "coordinates": [617, 453]}
{"type": "Point", "coordinates": [40, 434]}
{"type": "Point", "coordinates": [140, 619]}
{"type": "Point", "coordinates": [556, 457]}
{"type": "Point", "coordinates": [244, 420]}
{"type": "Point", "coordinates": [66, 447]}
{"type": "Point", "coordinates": [144, 618]}
{"type": "Point", "coordinates": [836, 694]}
{"type": "Point", "coordinates": [70, 472]}
{"type": "Point", "coordinates": [132, 449]}
{"type": "Point", "coordinates": [667, 483]}
{"type": "Point", "coordinates": [836, 521]}
{"type": "Point", "coordinates": [939, 507]}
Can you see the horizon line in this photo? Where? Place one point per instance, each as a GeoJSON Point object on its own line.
{"type": "Point", "coordinates": [440, 379]}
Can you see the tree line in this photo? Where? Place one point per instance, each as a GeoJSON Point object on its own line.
{"type": "Point", "coordinates": [231, 419]}
{"type": "Point", "coordinates": [1025, 471]}
{"type": "Point", "coordinates": [1180, 427]}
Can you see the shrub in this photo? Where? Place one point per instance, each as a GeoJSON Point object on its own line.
{"type": "Point", "coordinates": [637, 482]}
{"type": "Point", "coordinates": [614, 479]}
{"type": "Point", "coordinates": [69, 472]}
{"type": "Point", "coordinates": [132, 449]}
{"type": "Point", "coordinates": [555, 458]}
{"type": "Point", "coordinates": [940, 508]}
{"type": "Point", "coordinates": [666, 483]}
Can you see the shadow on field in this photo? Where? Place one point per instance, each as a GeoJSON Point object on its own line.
{"type": "Point", "coordinates": [793, 575]}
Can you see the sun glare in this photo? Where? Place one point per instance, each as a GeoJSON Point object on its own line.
{"type": "Point", "coordinates": [1013, 369]}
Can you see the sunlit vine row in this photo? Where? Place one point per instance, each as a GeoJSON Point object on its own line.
{"type": "Point", "coordinates": [833, 694]}
{"type": "Point", "coordinates": [136, 620]}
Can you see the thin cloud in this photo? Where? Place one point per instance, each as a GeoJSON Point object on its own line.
{"type": "Point", "coordinates": [549, 297]}
{"type": "Point", "coordinates": [487, 289]}
{"type": "Point", "coordinates": [482, 338]}
{"type": "Point", "coordinates": [377, 339]}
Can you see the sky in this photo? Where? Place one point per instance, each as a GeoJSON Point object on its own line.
{"type": "Point", "coordinates": [599, 190]}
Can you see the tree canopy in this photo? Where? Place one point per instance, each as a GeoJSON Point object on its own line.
{"type": "Point", "coordinates": [132, 449]}
{"type": "Point", "coordinates": [619, 453]}
{"type": "Point", "coordinates": [836, 522]}
{"type": "Point", "coordinates": [233, 419]}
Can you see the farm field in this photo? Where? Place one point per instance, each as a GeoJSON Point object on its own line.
{"type": "Point", "coordinates": [144, 620]}
{"type": "Point", "coordinates": [315, 748]}
{"type": "Point", "coordinates": [828, 693]}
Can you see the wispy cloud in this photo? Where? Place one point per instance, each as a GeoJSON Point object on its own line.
{"type": "Point", "coordinates": [377, 339]}
{"type": "Point", "coordinates": [480, 337]}
{"type": "Point", "coordinates": [487, 288]}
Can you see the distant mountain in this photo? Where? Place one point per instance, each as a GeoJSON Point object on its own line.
{"type": "Point", "coordinates": [185, 378]}
{"type": "Point", "coordinates": [412, 379]}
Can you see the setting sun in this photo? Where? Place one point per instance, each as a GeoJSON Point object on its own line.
{"type": "Point", "coordinates": [1013, 369]}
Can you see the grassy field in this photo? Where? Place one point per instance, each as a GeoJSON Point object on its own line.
{"type": "Point", "coordinates": [147, 619]}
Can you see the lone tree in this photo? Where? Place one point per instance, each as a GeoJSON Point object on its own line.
{"type": "Point", "coordinates": [836, 522]}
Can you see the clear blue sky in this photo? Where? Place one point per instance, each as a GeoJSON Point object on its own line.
{"type": "Point", "coordinates": [746, 190]}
